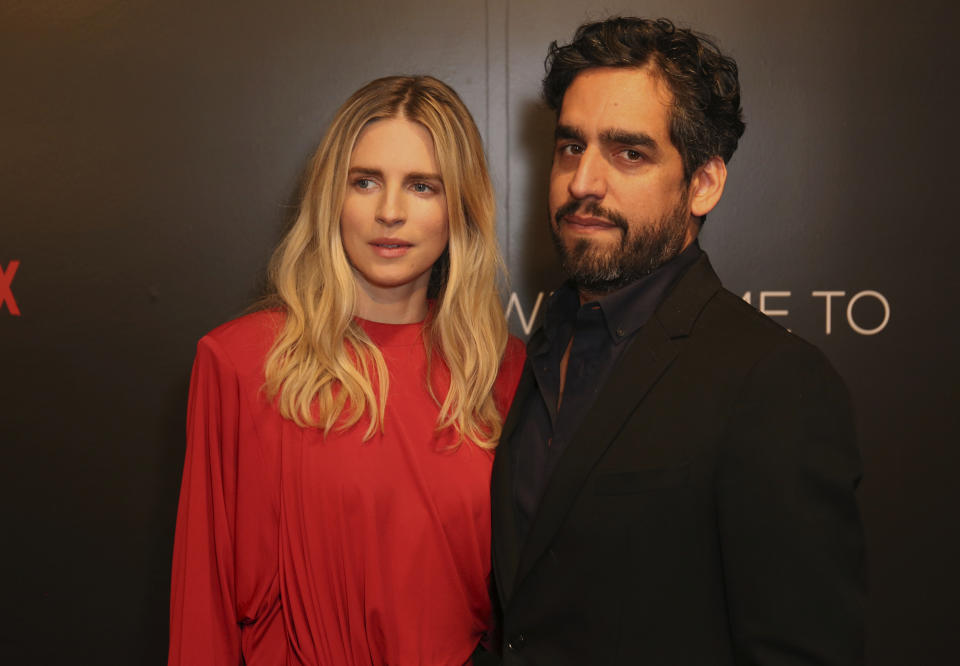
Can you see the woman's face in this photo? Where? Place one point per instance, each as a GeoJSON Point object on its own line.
{"type": "Point", "coordinates": [394, 221]}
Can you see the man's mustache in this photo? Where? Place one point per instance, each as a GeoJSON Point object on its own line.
{"type": "Point", "coordinates": [593, 209]}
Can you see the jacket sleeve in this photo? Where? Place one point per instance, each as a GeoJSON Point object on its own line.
{"type": "Point", "coordinates": [204, 628]}
{"type": "Point", "coordinates": [790, 530]}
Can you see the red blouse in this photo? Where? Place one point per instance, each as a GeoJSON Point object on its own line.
{"type": "Point", "coordinates": [295, 548]}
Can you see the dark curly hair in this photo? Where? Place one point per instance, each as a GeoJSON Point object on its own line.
{"type": "Point", "coordinates": [706, 119]}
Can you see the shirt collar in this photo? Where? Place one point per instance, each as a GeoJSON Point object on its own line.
{"type": "Point", "coordinates": [626, 310]}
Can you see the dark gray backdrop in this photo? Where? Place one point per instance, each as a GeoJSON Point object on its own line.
{"type": "Point", "coordinates": [150, 154]}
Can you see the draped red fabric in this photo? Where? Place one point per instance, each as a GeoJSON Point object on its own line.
{"type": "Point", "coordinates": [295, 548]}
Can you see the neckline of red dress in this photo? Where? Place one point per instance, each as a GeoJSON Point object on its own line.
{"type": "Point", "coordinates": [392, 335]}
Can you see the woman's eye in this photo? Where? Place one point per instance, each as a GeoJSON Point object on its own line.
{"type": "Point", "coordinates": [422, 188]}
{"type": "Point", "coordinates": [363, 183]}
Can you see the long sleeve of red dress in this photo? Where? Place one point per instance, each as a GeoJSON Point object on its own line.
{"type": "Point", "coordinates": [294, 548]}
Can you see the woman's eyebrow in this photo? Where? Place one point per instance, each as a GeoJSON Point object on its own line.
{"type": "Point", "coordinates": [419, 175]}
{"type": "Point", "coordinates": [365, 171]}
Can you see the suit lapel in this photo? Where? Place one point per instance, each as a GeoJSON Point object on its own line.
{"type": "Point", "coordinates": [648, 356]}
{"type": "Point", "coordinates": [642, 364]}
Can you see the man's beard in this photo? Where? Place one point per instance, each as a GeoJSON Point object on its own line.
{"type": "Point", "coordinates": [598, 269]}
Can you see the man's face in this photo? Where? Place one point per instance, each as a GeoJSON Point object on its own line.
{"type": "Point", "coordinates": [618, 198]}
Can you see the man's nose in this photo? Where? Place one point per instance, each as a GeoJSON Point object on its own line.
{"type": "Point", "coordinates": [589, 179]}
{"type": "Point", "coordinates": [390, 208]}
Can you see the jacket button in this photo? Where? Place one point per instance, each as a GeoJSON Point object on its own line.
{"type": "Point", "coordinates": [516, 643]}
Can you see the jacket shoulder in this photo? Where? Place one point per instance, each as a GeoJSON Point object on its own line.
{"type": "Point", "coordinates": [729, 314]}
{"type": "Point", "coordinates": [743, 332]}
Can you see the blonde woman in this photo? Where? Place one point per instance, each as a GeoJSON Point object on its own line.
{"type": "Point", "coordinates": [335, 500]}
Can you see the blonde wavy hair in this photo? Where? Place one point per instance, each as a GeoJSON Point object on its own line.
{"type": "Point", "coordinates": [323, 366]}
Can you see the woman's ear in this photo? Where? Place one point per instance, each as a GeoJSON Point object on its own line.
{"type": "Point", "coordinates": [706, 186]}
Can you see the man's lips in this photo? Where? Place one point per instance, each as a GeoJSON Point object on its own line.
{"type": "Point", "coordinates": [588, 223]}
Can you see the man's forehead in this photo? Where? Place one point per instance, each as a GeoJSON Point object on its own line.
{"type": "Point", "coordinates": [616, 97]}
{"type": "Point", "coordinates": [624, 83]}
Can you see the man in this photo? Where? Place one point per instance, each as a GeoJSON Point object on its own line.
{"type": "Point", "coordinates": [675, 482]}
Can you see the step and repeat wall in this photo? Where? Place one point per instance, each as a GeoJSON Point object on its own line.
{"type": "Point", "coordinates": [151, 155]}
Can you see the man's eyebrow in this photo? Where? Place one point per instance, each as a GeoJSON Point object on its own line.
{"type": "Point", "coordinates": [628, 138]}
{"type": "Point", "coordinates": [568, 132]}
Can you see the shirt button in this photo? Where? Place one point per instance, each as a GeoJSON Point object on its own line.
{"type": "Point", "coordinates": [619, 332]}
{"type": "Point", "coordinates": [516, 643]}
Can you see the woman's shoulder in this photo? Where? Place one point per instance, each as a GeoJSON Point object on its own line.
{"type": "Point", "coordinates": [514, 356]}
{"type": "Point", "coordinates": [244, 341]}
{"type": "Point", "coordinates": [515, 353]}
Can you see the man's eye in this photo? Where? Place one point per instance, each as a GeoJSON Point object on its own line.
{"type": "Point", "coordinates": [633, 155]}
{"type": "Point", "coordinates": [571, 149]}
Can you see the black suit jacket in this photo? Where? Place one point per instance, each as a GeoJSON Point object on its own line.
{"type": "Point", "coordinates": [704, 512]}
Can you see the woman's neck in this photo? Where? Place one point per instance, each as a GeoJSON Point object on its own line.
{"type": "Point", "coordinates": [392, 306]}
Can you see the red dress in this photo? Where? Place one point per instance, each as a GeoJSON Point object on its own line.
{"type": "Point", "coordinates": [295, 548]}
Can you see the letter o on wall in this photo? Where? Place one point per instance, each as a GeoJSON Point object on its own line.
{"type": "Point", "coordinates": [886, 312]}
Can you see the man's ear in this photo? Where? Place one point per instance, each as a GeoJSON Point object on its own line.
{"type": "Point", "coordinates": [706, 186]}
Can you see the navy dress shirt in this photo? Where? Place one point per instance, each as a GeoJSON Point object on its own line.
{"type": "Point", "coordinates": [601, 331]}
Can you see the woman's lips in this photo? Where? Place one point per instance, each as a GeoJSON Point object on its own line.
{"type": "Point", "coordinates": [390, 247]}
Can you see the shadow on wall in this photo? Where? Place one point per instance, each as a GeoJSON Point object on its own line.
{"type": "Point", "coordinates": [534, 265]}
{"type": "Point", "coordinates": [290, 210]}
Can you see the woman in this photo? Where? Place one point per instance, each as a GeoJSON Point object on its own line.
{"type": "Point", "coordinates": [335, 499]}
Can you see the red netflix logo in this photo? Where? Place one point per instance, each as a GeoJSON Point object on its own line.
{"type": "Point", "coordinates": [6, 293]}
